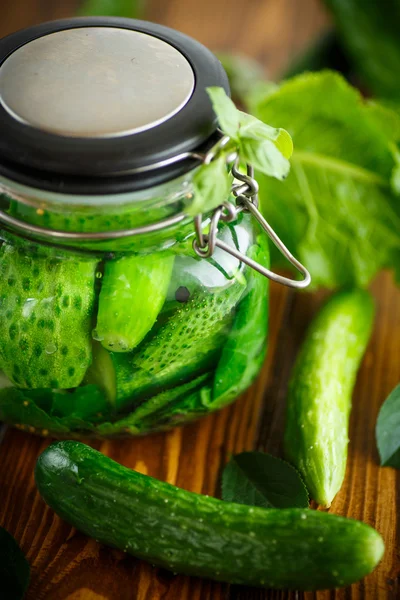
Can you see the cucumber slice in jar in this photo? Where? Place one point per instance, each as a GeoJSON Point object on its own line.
{"type": "Point", "coordinates": [101, 373]}
{"type": "Point", "coordinates": [245, 349]}
{"type": "Point", "coordinates": [46, 302]}
{"type": "Point", "coordinates": [153, 414]}
{"type": "Point", "coordinates": [132, 294]}
{"type": "Point", "coordinates": [184, 347]}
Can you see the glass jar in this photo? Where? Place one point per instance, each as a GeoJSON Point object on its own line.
{"type": "Point", "coordinates": [117, 317]}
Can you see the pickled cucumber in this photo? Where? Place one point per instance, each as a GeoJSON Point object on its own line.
{"type": "Point", "coordinates": [185, 346]}
{"type": "Point", "coordinates": [46, 303]}
{"type": "Point", "coordinates": [132, 294]}
{"type": "Point", "coordinates": [102, 373]}
{"type": "Point", "coordinates": [147, 416]}
{"type": "Point", "coordinates": [245, 349]}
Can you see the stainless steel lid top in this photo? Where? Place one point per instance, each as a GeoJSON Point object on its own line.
{"type": "Point", "coordinates": [103, 105]}
{"type": "Point", "coordinates": [95, 82]}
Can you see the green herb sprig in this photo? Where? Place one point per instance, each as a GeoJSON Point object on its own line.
{"type": "Point", "coordinates": [266, 148]}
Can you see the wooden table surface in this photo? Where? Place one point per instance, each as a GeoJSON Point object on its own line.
{"type": "Point", "coordinates": [68, 565]}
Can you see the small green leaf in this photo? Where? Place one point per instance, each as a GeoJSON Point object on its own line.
{"type": "Point", "coordinates": [254, 129]}
{"type": "Point", "coordinates": [260, 479]}
{"type": "Point", "coordinates": [14, 568]}
{"type": "Point", "coordinates": [226, 111]}
{"type": "Point", "coordinates": [388, 430]}
{"type": "Point", "coordinates": [211, 186]}
{"type": "Point", "coordinates": [336, 211]}
{"type": "Point", "coordinates": [265, 157]}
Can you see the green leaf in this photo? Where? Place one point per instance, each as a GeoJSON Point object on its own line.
{"type": "Point", "coordinates": [14, 568]}
{"type": "Point", "coordinates": [211, 186]}
{"type": "Point", "coordinates": [265, 157]}
{"type": "Point", "coordinates": [388, 430]}
{"type": "Point", "coordinates": [226, 111]}
{"type": "Point", "coordinates": [266, 148]}
{"type": "Point", "coordinates": [131, 9]}
{"type": "Point", "coordinates": [336, 210]}
{"type": "Point", "coordinates": [254, 129]}
{"type": "Point", "coordinates": [260, 479]}
{"type": "Point", "coordinates": [370, 33]}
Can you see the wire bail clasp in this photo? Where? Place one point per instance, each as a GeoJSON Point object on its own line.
{"type": "Point", "coordinates": [246, 194]}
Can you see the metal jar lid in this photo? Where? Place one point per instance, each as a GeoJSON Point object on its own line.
{"type": "Point", "coordinates": [103, 105]}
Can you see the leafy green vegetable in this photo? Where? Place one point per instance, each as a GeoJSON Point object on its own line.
{"type": "Point", "coordinates": [262, 480]}
{"type": "Point", "coordinates": [370, 32]}
{"type": "Point", "coordinates": [131, 9]}
{"type": "Point", "coordinates": [388, 430]}
{"type": "Point", "coordinates": [336, 210]}
{"type": "Point", "coordinates": [14, 568]}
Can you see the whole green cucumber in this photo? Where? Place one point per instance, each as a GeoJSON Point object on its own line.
{"type": "Point", "coordinates": [197, 535]}
{"type": "Point", "coordinates": [319, 399]}
{"type": "Point", "coordinates": [245, 349]}
{"type": "Point", "coordinates": [132, 293]}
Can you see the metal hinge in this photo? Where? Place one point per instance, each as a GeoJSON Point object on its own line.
{"type": "Point", "coordinates": [246, 200]}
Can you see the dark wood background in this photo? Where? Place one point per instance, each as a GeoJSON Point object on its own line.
{"type": "Point", "coordinates": [66, 564]}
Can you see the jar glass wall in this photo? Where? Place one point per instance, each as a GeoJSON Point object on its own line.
{"type": "Point", "coordinates": [125, 336]}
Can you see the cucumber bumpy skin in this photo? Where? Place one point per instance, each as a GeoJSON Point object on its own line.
{"type": "Point", "coordinates": [132, 294]}
{"type": "Point", "coordinates": [184, 347]}
{"type": "Point", "coordinates": [197, 535]}
{"type": "Point", "coordinates": [319, 399]}
{"type": "Point", "coordinates": [46, 303]}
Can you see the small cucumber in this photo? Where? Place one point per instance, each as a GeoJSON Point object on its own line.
{"type": "Point", "coordinates": [319, 400]}
{"type": "Point", "coordinates": [46, 303]}
{"type": "Point", "coordinates": [132, 293]}
{"type": "Point", "coordinates": [197, 535]}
